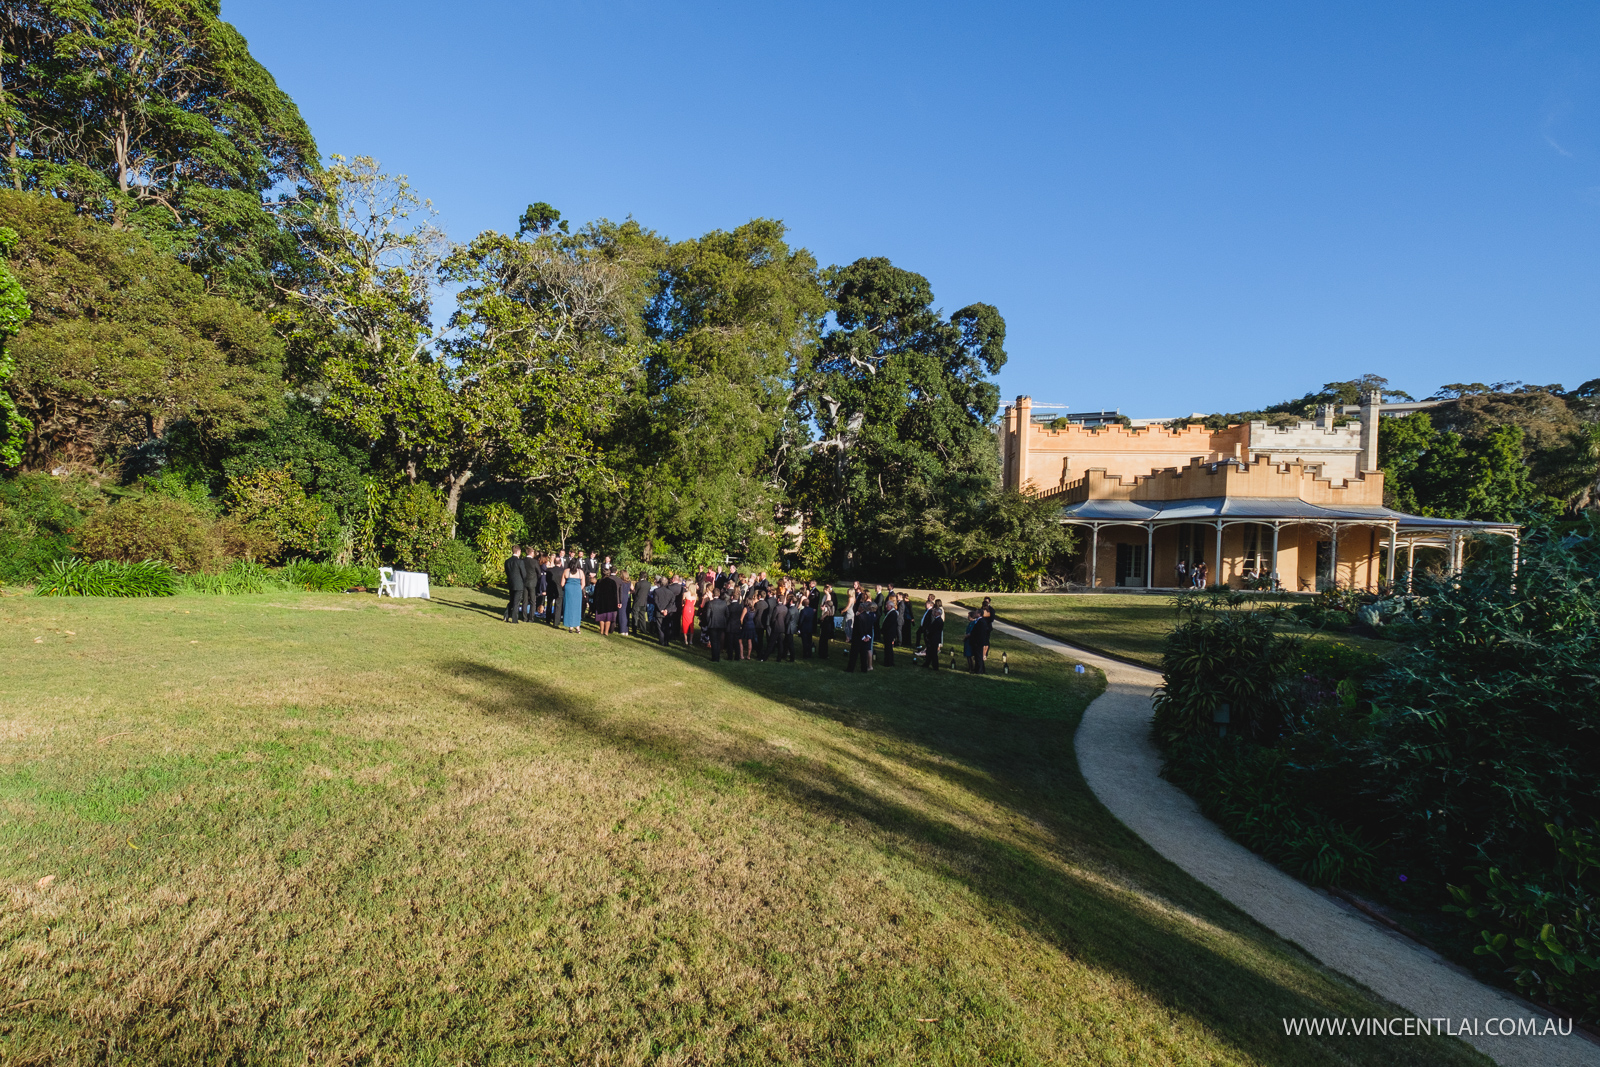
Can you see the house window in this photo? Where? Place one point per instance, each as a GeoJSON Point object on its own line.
{"type": "Point", "coordinates": [1257, 548]}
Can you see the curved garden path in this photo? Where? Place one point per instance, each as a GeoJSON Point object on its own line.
{"type": "Point", "coordinates": [1122, 767]}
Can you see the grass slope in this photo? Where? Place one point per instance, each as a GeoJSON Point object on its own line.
{"type": "Point", "coordinates": [302, 827]}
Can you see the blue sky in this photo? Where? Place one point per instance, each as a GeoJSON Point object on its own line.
{"type": "Point", "coordinates": [1177, 207]}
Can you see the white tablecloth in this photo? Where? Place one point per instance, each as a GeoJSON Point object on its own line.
{"type": "Point", "coordinates": [411, 583]}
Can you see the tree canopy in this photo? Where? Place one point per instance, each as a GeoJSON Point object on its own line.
{"type": "Point", "coordinates": [124, 342]}
{"type": "Point", "coordinates": [153, 113]}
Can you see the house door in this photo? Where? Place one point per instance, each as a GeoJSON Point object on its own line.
{"type": "Point", "coordinates": [1130, 565]}
{"type": "Point", "coordinates": [1324, 564]}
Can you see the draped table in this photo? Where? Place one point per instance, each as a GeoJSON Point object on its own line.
{"type": "Point", "coordinates": [411, 583]}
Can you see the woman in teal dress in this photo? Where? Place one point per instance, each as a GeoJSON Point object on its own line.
{"type": "Point", "coordinates": [572, 597]}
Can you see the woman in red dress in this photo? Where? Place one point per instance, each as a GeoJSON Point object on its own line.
{"type": "Point", "coordinates": [691, 597]}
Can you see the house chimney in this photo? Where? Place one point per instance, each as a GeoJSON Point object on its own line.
{"type": "Point", "coordinates": [1025, 431]}
{"type": "Point", "coordinates": [1008, 447]}
{"type": "Point", "coordinates": [1325, 416]}
{"type": "Point", "coordinates": [1371, 405]}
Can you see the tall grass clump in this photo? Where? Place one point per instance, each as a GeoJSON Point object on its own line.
{"type": "Point", "coordinates": [327, 577]}
{"type": "Point", "coordinates": [240, 577]}
{"type": "Point", "coordinates": [75, 577]}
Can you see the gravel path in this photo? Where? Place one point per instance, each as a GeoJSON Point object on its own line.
{"type": "Point", "coordinates": [1122, 766]}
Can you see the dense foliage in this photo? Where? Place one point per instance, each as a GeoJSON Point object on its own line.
{"type": "Point", "coordinates": [1458, 771]}
{"type": "Point", "coordinates": [153, 115]}
{"type": "Point", "coordinates": [124, 342]}
{"type": "Point", "coordinates": [1224, 664]}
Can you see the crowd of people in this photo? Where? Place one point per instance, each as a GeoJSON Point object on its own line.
{"type": "Point", "coordinates": [737, 616]}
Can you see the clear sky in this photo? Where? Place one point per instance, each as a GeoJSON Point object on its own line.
{"type": "Point", "coordinates": [1176, 206]}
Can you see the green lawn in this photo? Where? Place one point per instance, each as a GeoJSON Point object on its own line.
{"type": "Point", "coordinates": [1130, 626]}
{"type": "Point", "coordinates": [317, 828]}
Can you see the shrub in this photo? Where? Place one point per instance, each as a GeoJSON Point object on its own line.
{"type": "Point", "coordinates": [413, 522]}
{"type": "Point", "coordinates": [173, 530]}
{"type": "Point", "coordinates": [1465, 755]}
{"type": "Point", "coordinates": [455, 563]}
{"type": "Point", "coordinates": [1223, 652]}
{"type": "Point", "coordinates": [272, 501]}
{"type": "Point", "coordinates": [170, 483]}
{"type": "Point", "coordinates": [762, 552]}
{"type": "Point", "coordinates": [816, 550]}
{"type": "Point", "coordinates": [75, 577]}
{"type": "Point", "coordinates": [1334, 661]}
{"type": "Point", "coordinates": [328, 577]}
{"type": "Point", "coordinates": [39, 520]}
{"type": "Point", "coordinates": [496, 527]}
{"type": "Point", "coordinates": [1251, 793]}
{"type": "Point", "coordinates": [1545, 926]}
{"type": "Point", "coordinates": [1486, 728]}
{"type": "Point", "coordinates": [240, 577]}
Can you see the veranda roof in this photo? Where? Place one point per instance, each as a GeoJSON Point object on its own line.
{"type": "Point", "coordinates": [1259, 509]}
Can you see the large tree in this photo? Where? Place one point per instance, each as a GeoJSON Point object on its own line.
{"type": "Point", "coordinates": [125, 342]}
{"type": "Point", "coordinates": [904, 408]}
{"type": "Point", "coordinates": [152, 112]}
{"type": "Point", "coordinates": [546, 333]}
{"type": "Point", "coordinates": [520, 385]}
{"type": "Point", "coordinates": [733, 318]}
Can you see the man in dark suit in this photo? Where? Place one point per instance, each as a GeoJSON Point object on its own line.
{"type": "Point", "coordinates": [862, 634]}
{"type": "Point", "coordinates": [763, 613]}
{"type": "Point", "coordinates": [552, 582]}
{"type": "Point", "coordinates": [516, 590]}
{"type": "Point", "coordinates": [530, 582]}
{"type": "Point", "coordinates": [932, 635]}
{"type": "Point", "coordinates": [624, 602]}
{"type": "Point", "coordinates": [669, 610]}
{"type": "Point", "coordinates": [777, 626]}
{"type": "Point", "coordinates": [889, 627]}
{"type": "Point", "coordinates": [541, 587]}
{"type": "Point", "coordinates": [641, 606]}
{"type": "Point", "coordinates": [717, 624]}
{"type": "Point", "coordinates": [806, 624]}
{"type": "Point", "coordinates": [792, 624]}
{"type": "Point", "coordinates": [980, 640]}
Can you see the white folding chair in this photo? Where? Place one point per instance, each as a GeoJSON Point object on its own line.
{"type": "Point", "coordinates": [386, 586]}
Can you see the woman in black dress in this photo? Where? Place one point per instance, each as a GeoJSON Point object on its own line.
{"type": "Point", "coordinates": [747, 627]}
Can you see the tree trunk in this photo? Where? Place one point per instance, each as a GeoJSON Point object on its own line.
{"type": "Point", "coordinates": [452, 501]}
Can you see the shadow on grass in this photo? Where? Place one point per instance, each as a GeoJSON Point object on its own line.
{"type": "Point", "coordinates": [489, 609]}
{"type": "Point", "coordinates": [1023, 764]}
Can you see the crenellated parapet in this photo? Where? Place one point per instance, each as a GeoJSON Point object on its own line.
{"type": "Point", "coordinates": [1198, 480]}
